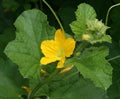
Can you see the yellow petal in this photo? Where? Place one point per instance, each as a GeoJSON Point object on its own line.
{"type": "Point", "coordinates": [47, 60]}
{"type": "Point", "coordinates": [49, 48]}
{"type": "Point", "coordinates": [61, 63]}
{"type": "Point", "coordinates": [60, 36]}
{"type": "Point", "coordinates": [69, 46]}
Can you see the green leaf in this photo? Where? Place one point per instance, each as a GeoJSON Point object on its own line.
{"type": "Point", "coordinates": [101, 7]}
{"type": "Point", "coordinates": [105, 38]}
{"type": "Point", "coordinates": [97, 31]}
{"type": "Point", "coordinates": [84, 13]}
{"type": "Point", "coordinates": [93, 65]}
{"type": "Point", "coordinates": [114, 90]}
{"type": "Point", "coordinates": [11, 81]}
{"type": "Point", "coordinates": [75, 89]}
{"type": "Point", "coordinates": [31, 29]}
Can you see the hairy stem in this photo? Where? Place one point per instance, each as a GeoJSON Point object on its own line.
{"type": "Point", "coordinates": [113, 58]}
{"type": "Point", "coordinates": [80, 48]}
{"type": "Point", "coordinates": [108, 12]}
{"type": "Point", "coordinates": [40, 85]}
{"type": "Point", "coordinates": [54, 15]}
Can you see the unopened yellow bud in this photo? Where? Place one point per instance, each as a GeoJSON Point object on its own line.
{"type": "Point", "coordinates": [27, 89]}
{"type": "Point", "coordinates": [68, 68]}
{"type": "Point", "coordinates": [85, 37]}
{"type": "Point", "coordinates": [43, 72]}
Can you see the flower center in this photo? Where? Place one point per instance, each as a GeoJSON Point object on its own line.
{"type": "Point", "coordinates": [60, 53]}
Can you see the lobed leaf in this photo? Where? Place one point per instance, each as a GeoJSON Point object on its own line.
{"type": "Point", "coordinates": [84, 13]}
{"type": "Point", "coordinates": [31, 29]}
{"type": "Point", "coordinates": [78, 88]}
{"type": "Point", "coordinates": [93, 65]}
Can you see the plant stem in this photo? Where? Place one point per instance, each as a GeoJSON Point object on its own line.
{"type": "Point", "coordinates": [81, 47]}
{"type": "Point", "coordinates": [71, 75]}
{"type": "Point", "coordinates": [40, 85]}
{"type": "Point", "coordinates": [106, 21]}
{"type": "Point", "coordinates": [54, 15]}
{"type": "Point", "coordinates": [116, 57]}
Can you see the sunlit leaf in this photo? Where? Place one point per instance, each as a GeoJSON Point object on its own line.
{"type": "Point", "coordinates": [31, 28]}
{"type": "Point", "coordinates": [93, 65]}
{"type": "Point", "coordinates": [84, 13]}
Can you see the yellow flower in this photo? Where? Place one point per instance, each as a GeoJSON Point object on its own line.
{"type": "Point", "coordinates": [57, 49]}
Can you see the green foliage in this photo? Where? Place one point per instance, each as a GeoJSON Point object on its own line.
{"type": "Point", "coordinates": [31, 28]}
{"type": "Point", "coordinates": [11, 81]}
{"type": "Point", "coordinates": [84, 13]}
{"type": "Point", "coordinates": [87, 27]}
{"type": "Point", "coordinates": [75, 88]}
{"type": "Point", "coordinates": [96, 30]}
{"type": "Point", "coordinates": [92, 65]}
